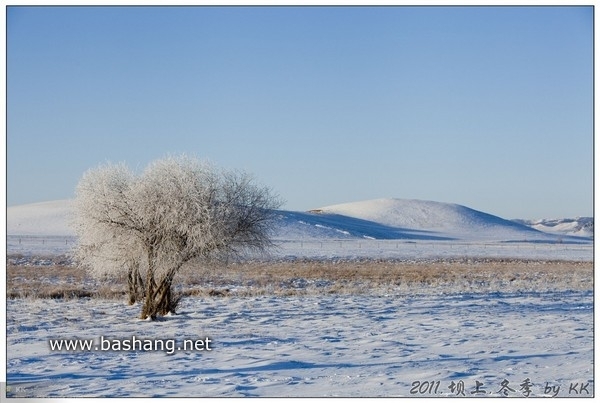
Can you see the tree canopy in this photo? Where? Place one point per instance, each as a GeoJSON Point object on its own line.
{"type": "Point", "coordinates": [176, 210]}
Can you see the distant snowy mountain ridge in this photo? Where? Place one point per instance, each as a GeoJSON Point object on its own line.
{"type": "Point", "coordinates": [579, 226]}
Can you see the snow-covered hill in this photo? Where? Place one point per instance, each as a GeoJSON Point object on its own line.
{"type": "Point", "coordinates": [372, 219]}
{"type": "Point", "coordinates": [424, 219]}
{"type": "Point", "coordinates": [406, 219]}
{"type": "Point", "coordinates": [580, 226]}
{"type": "Point", "coordinates": [45, 218]}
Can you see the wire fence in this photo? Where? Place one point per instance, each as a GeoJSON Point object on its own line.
{"type": "Point", "coordinates": [424, 249]}
{"type": "Point", "coordinates": [41, 240]}
{"type": "Point", "coordinates": [395, 248]}
{"type": "Point", "coordinates": [39, 244]}
{"type": "Point", "coordinates": [398, 244]}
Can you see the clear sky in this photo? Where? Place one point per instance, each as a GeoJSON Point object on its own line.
{"type": "Point", "coordinates": [488, 107]}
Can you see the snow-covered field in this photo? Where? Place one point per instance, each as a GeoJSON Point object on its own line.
{"type": "Point", "coordinates": [379, 345]}
{"type": "Point", "coordinates": [335, 249]}
{"type": "Point", "coordinates": [423, 341]}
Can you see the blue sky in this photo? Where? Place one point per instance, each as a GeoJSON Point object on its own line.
{"type": "Point", "coordinates": [489, 107]}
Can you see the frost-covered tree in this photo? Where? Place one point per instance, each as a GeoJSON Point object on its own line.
{"type": "Point", "coordinates": [147, 226]}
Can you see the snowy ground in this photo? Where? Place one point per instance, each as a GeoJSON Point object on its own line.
{"type": "Point", "coordinates": [379, 345]}
{"type": "Point", "coordinates": [330, 249]}
{"type": "Point", "coordinates": [406, 342]}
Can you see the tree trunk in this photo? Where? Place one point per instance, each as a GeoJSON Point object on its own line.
{"type": "Point", "coordinates": [159, 297]}
{"type": "Point", "coordinates": [135, 284]}
{"type": "Point", "coordinates": [160, 300]}
{"type": "Point", "coordinates": [149, 309]}
{"type": "Point", "coordinates": [164, 293]}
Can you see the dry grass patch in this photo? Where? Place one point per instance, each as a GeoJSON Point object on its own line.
{"type": "Point", "coordinates": [370, 275]}
{"type": "Point", "coordinates": [316, 277]}
{"type": "Point", "coordinates": [57, 282]}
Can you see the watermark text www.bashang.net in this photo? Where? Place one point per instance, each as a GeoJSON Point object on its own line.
{"type": "Point", "coordinates": [169, 346]}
